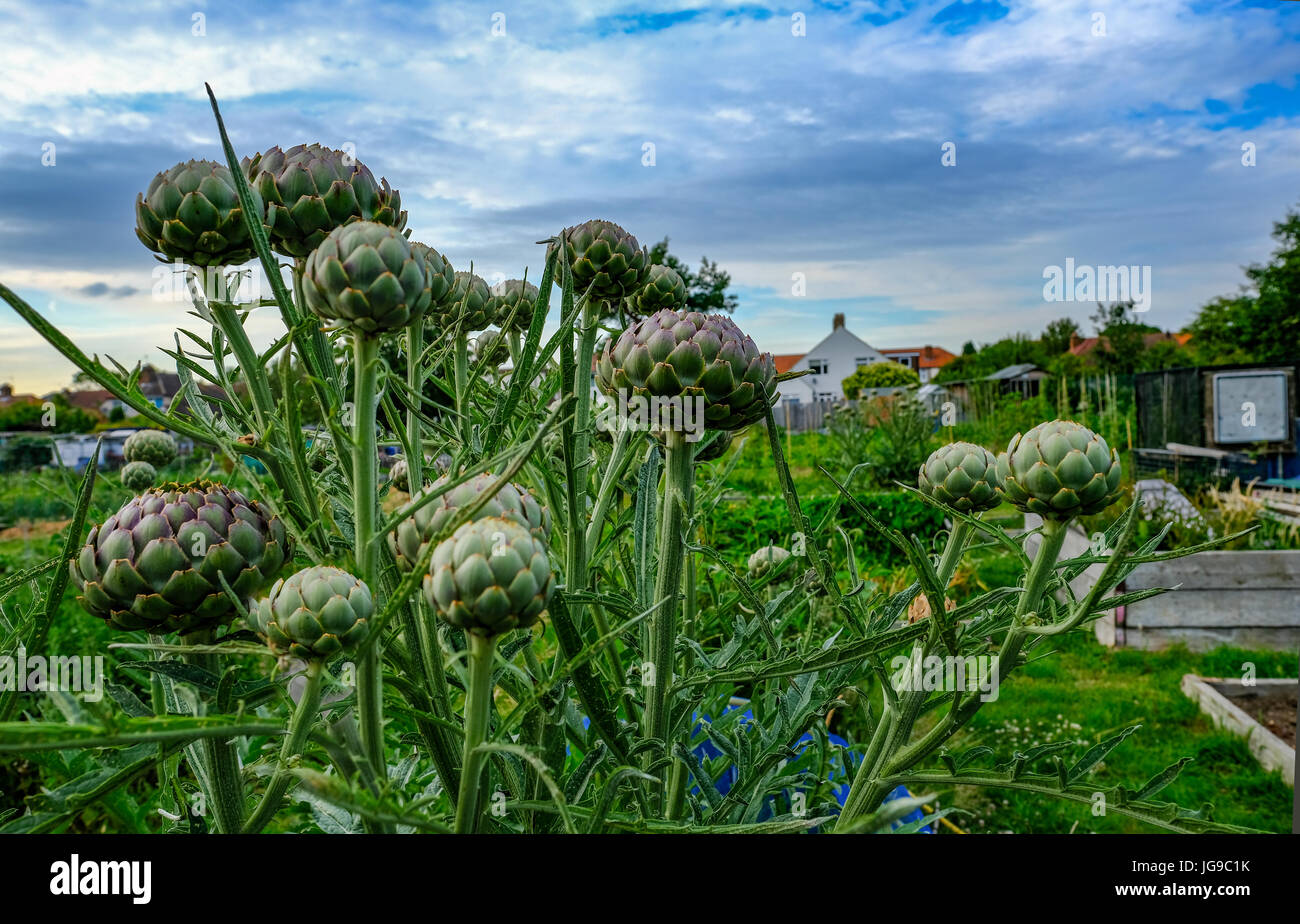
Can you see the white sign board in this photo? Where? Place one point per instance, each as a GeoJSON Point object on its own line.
{"type": "Point", "coordinates": [1251, 407]}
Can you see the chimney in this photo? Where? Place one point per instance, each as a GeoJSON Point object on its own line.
{"type": "Point", "coordinates": [838, 322]}
{"type": "Point", "coordinates": [1074, 339]}
{"type": "Point", "coordinates": [6, 390]}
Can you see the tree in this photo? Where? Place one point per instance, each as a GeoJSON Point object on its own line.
{"type": "Point", "coordinates": [888, 374]}
{"type": "Point", "coordinates": [706, 290]}
{"type": "Point", "coordinates": [1262, 322]}
{"type": "Point", "coordinates": [1058, 336]}
{"type": "Point", "coordinates": [1122, 337]}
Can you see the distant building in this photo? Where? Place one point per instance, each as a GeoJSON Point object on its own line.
{"type": "Point", "coordinates": [7, 396]}
{"type": "Point", "coordinates": [925, 361]}
{"type": "Point", "coordinates": [829, 363]}
{"type": "Point", "coordinates": [1086, 346]}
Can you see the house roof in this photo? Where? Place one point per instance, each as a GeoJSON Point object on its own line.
{"type": "Point", "coordinates": [1088, 345]}
{"type": "Point", "coordinates": [1012, 372]}
{"type": "Point", "coordinates": [929, 357]}
{"type": "Point", "coordinates": [785, 361]}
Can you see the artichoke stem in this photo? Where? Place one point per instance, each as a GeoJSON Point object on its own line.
{"type": "Point", "coordinates": [460, 369]}
{"type": "Point", "coordinates": [370, 690]}
{"type": "Point", "coordinates": [299, 726]}
{"type": "Point", "coordinates": [414, 383]}
{"type": "Point", "coordinates": [478, 708]}
{"type": "Point", "coordinates": [677, 475]}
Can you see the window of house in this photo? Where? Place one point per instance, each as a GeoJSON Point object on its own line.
{"type": "Point", "coordinates": [819, 366]}
{"type": "Point", "coordinates": [825, 396]}
{"type": "Point", "coordinates": [862, 361]}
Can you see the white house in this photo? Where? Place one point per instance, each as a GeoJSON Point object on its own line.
{"type": "Point", "coordinates": [831, 361]}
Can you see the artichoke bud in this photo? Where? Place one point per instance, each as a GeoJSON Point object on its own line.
{"type": "Point", "coordinates": [138, 476]}
{"type": "Point", "coordinates": [765, 559]}
{"type": "Point", "coordinates": [310, 190]}
{"type": "Point", "coordinates": [687, 363]}
{"type": "Point", "coordinates": [963, 476]}
{"type": "Point", "coordinates": [442, 278]}
{"type": "Point", "coordinates": [316, 613]}
{"type": "Point", "coordinates": [715, 448]}
{"type": "Point", "coordinates": [513, 302]}
{"type": "Point", "coordinates": [158, 563]}
{"type": "Point", "coordinates": [606, 261]}
{"type": "Point", "coordinates": [663, 289]}
{"type": "Point", "coordinates": [1059, 470]}
{"type": "Point", "coordinates": [365, 277]}
{"type": "Point", "coordinates": [514, 502]}
{"type": "Point", "coordinates": [471, 302]}
{"type": "Point", "coordinates": [490, 347]}
{"type": "Point", "coordinates": [192, 213]}
{"type": "Point", "coordinates": [153, 446]}
{"type": "Point", "coordinates": [490, 576]}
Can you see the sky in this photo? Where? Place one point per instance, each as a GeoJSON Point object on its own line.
{"type": "Point", "coordinates": [802, 147]}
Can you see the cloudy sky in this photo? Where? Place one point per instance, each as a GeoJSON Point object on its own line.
{"type": "Point", "coordinates": [1103, 132]}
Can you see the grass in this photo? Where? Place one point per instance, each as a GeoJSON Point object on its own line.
{"type": "Point", "coordinates": [1085, 692]}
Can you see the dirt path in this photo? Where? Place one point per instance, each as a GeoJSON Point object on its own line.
{"type": "Point", "coordinates": [26, 530]}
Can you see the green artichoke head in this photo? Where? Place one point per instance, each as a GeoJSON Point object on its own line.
{"type": "Point", "coordinates": [471, 303]}
{"type": "Point", "coordinates": [963, 476]}
{"type": "Point", "coordinates": [491, 348]}
{"type": "Point", "coordinates": [138, 476]}
{"type": "Point", "coordinates": [605, 260]}
{"type": "Point", "coordinates": [715, 448]}
{"type": "Point", "coordinates": [765, 559]}
{"type": "Point", "coordinates": [310, 190]}
{"type": "Point", "coordinates": [364, 277]}
{"type": "Point", "coordinates": [514, 502]}
{"type": "Point", "coordinates": [442, 278]}
{"type": "Point", "coordinates": [490, 576]}
{"type": "Point", "coordinates": [315, 613]}
{"type": "Point", "coordinates": [153, 446]}
{"type": "Point", "coordinates": [513, 302]}
{"type": "Point", "coordinates": [663, 289]}
{"type": "Point", "coordinates": [702, 359]}
{"type": "Point", "coordinates": [192, 213]}
{"type": "Point", "coordinates": [1059, 470]}
{"type": "Point", "coordinates": [400, 476]}
{"type": "Point", "coordinates": [158, 562]}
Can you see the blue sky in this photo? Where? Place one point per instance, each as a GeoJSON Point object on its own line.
{"type": "Point", "coordinates": [775, 154]}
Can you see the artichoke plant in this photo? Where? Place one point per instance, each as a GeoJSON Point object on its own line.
{"type": "Point", "coordinates": [310, 190]}
{"type": "Point", "coordinates": [1059, 469]}
{"type": "Point", "coordinates": [138, 476]}
{"type": "Point", "coordinates": [516, 298]}
{"type": "Point", "coordinates": [399, 476]}
{"type": "Point", "coordinates": [153, 446]}
{"type": "Point", "coordinates": [314, 613]}
{"type": "Point", "coordinates": [192, 213]}
{"type": "Point", "coordinates": [472, 301]}
{"type": "Point", "coordinates": [490, 576]}
{"type": "Point", "coordinates": [157, 563]}
{"type": "Point", "coordinates": [689, 355]}
{"type": "Point", "coordinates": [605, 260]}
{"type": "Point", "coordinates": [765, 559]}
{"type": "Point", "coordinates": [490, 347]}
{"type": "Point", "coordinates": [715, 448]}
{"type": "Point", "coordinates": [663, 289]}
{"type": "Point", "coordinates": [411, 537]}
{"type": "Point", "coordinates": [365, 277]}
{"type": "Point", "coordinates": [963, 476]}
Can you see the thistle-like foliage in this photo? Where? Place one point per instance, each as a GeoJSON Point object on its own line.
{"type": "Point", "coordinates": [1059, 470]}
{"type": "Point", "coordinates": [317, 612]}
{"type": "Point", "coordinates": [310, 190]}
{"type": "Point", "coordinates": [157, 563]}
{"type": "Point", "coordinates": [689, 355]}
{"type": "Point", "coordinates": [365, 277]}
{"type": "Point", "coordinates": [191, 213]}
{"type": "Point", "coordinates": [490, 576]}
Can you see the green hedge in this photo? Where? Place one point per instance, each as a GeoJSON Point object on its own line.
{"type": "Point", "coordinates": [738, 527]}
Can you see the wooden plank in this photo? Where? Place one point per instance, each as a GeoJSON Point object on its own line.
{"type": "Point", "coordinates": [1252, 570]}
{"type": "Point", "coordinates": [1201, 640]}
{"type": "Point", "coordinates": [1231, 609]}
{"type": "Point", "coordinates": [1219, 700]}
